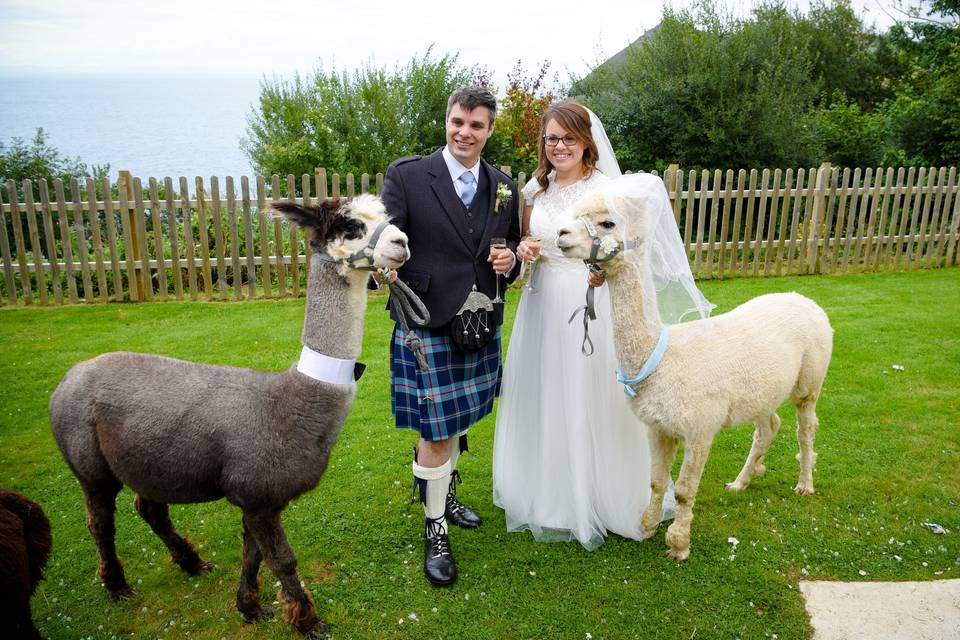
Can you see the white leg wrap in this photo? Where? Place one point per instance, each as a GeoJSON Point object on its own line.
{"type": "Point", "coordinates": [669, 511]}
{"type": "Point", "coordinates": [437, 483]}
{"type": "Point", "coordinates": [454, 453]}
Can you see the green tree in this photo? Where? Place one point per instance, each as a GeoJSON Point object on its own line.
{"type": "Point", "coordinates": [784, 88]}
{"type": "Point", "coordinates": [515, 139]}
{"type": "Point", "coordinates": [356, 121]}
{"type": "Point", "coordinates": [925, 114]}
{"type": "Point", "coordinates": [40, 160]}
{"type": "Point", "coordinates": [427, 86]}
{"type": "Point", "coordinates": [850, 61]}
{"type": "Point", "coordinates": [286, 133]}
{"type": "Point", "coordinates": [706, 90]}
{"type": "Point", "coordinates": [850, 136]}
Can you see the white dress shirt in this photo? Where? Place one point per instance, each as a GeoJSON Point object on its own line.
{"type": "Point", "coordinates": [456, 170]}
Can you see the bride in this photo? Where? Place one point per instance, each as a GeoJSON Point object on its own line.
{"type": "Point", "coordinates": [570, 460]}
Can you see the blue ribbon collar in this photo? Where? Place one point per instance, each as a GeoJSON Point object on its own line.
{"type": "Point", "coordinates": [648, 367]}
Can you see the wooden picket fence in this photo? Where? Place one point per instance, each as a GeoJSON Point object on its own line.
{"type": "Point", "coordinates": [166, 241]}
{"type": "Point", "coordinates": [816, 221]}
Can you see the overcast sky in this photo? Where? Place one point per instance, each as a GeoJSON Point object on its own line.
{"type": "Point", "coordinates": [269, 37]}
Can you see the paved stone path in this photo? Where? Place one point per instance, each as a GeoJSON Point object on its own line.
{"type": "Point", "coordinates": [883, 610]}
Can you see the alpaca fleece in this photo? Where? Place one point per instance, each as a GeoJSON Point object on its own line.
{"type": "Point", "coordinates": [183, 432]}
{"type": "Point", "coordinates": [718, 372]}
{"type": "Point", "coordinates": [25, 545]}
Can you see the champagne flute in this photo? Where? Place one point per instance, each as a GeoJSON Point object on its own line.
{"type": "Point", "coordinates": [534, 244]}
{"type": "Point", "coordinates": [498, 244]}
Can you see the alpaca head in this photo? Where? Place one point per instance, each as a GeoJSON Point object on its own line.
{"type": "Point", "coordinates": [354, 232]}
{"type": "Point", "coordinates": [628, 226]}
{"type": "Point", "coordinates": [613, 219]}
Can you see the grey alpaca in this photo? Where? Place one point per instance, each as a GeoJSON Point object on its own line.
{"type": "Point", "coordinates": [183, 432]}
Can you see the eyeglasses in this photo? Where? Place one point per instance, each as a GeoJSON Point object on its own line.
{"type": "Point", "coordinates": [568, 140]}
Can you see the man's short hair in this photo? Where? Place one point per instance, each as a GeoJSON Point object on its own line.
{"type": "Point", "coordinates": [471, 97]}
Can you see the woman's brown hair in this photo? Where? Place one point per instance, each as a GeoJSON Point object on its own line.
{"type": "Point", "coordinates": [574, 117]}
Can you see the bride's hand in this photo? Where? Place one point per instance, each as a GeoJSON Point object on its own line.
{"type": "Point", "coordinates": [594, 279]}
{"type": "Point", "coordinates": [528, 250]}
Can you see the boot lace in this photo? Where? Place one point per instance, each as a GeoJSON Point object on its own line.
{"type": "Point", "coordinates": [455, 479]}
{"type": "Point", "coordinates": [437, 539]}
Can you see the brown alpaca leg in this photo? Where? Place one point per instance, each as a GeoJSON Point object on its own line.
{"type": "Point", "coordinates": [101, 505]}
{"type": "Point", "coordinates": [694, 459]}
{"type": "Point", "coordinates": [15, 580]}
{"type": "Point", "coordinates": [663, 449]}
{"type": "Point", "coordinates": [157, 515]}
{"type": "Point", "coordinates": [298, 607]}
{"type": "Point", "coordinates": [248, 595]}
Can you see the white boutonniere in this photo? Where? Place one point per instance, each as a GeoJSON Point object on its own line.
{"type": "Point", "coordinates": [504, 196]}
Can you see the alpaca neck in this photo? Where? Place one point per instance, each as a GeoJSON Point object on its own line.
{"type": "Point", "coordinates": [636, 321]}
{"type": "Point", "coordinates": [333, 321]}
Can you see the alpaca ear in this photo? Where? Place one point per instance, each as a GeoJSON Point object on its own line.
{"type": "Point", "coordinates": [308, 217]}
{"type": "Point", "coordinates": [320, 218]}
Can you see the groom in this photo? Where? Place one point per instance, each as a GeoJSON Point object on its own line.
{"type": "Point", "coordinates": [448, 205]}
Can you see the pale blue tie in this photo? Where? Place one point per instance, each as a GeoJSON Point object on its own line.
{"type": "Point", "coordinates": [468, 188]}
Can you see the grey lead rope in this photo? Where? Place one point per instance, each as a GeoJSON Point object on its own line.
{"type": "Point", "coordinates": [593, 263]}
{"type": "Point", "coordinates": [403, 302]}
{"type": "Point", "coordinates": [589, 312]}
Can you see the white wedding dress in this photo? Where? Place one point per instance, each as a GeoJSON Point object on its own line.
{"type": "Point", "coordinates": [570, 459]}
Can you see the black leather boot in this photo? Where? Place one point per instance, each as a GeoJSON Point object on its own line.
{"type": "Point", "coordinates": [456, 512]}
{"type": "Point", "coordinates": [438, 564]}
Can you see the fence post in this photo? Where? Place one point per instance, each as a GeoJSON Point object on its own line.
{"type": "Point", "coordinates": [672, 181]}
{"type": "Point", "coordinates": [819, 199]}
{"type": "Point", "coordinates": [671, 172]}
{"type": "Point", "coordinates": [320, 183]}
{"type": "Point", "coordinates": [125, 183]}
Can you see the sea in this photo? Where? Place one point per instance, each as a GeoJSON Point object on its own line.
{"type": "Point", "coordinates": [153, 126]}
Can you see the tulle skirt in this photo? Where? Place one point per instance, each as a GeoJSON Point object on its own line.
{"type": "Point", "coordinates": [570, 459]}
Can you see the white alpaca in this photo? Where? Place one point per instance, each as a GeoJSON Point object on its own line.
{"type": "Point", "coordinates": [730, 369]}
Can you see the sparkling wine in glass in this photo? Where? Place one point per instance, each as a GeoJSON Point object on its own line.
{"type": "Point", "coordinates": [498, 244]}
{"type": "Point", "coordinates": [533, 243]}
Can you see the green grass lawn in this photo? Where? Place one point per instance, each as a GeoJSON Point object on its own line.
{"type": "Point", "coordinates": [889, 446]}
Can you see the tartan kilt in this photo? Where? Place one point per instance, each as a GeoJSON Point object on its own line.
{"type": "Point", "coordinates": [455, 393]}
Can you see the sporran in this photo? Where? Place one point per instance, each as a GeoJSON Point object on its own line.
{"type": "Point", "coordinates": [472, 328]}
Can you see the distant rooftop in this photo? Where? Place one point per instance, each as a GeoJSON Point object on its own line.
{"type": "Point", "coordinates": [620, 57]}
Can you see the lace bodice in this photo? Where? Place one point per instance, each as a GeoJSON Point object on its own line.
{"type": "Point", "coordinates": [552, 209]}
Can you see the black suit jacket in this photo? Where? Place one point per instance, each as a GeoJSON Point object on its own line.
{"type": "Point", "coordinates": [448, 250]}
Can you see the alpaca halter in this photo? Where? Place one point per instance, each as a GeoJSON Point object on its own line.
{"type": "Point", "coordinates": [593, 262]}
{"type": "Point", "coordinates": [322, 368]}
{"type": "Point", "coordinates": [589, 314]}
{"type": "Point", "coordinates": [597, 243]}
{"type": "Point", "coordinates": [648, 367]}
{"type": "Point", "coordinates": [366, 253]}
